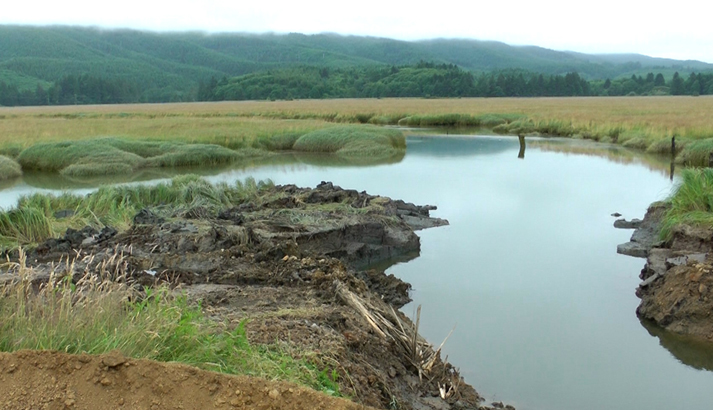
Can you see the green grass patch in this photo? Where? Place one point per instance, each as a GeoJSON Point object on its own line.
{"type": "Point", "coordinates": [11, 150]}
{"type": "Point", "coordinates": [662, 146]}
{"type": "Point", "coordinates": [107, 156]}
{"type": "Point", "coordinates": [95, 317]}
{"type": "Point", "coordinates": [9, 168]}
{"type": "Point", "coordinates": [278, 142]}
{"type": "Point", "coordinates": [459, 120]}
{"type": "Point", "coordinates": [354, 141]}
{"type": "Point", "coordinates": [691, 203]}
{"type": "Point", "coordinates": [641, 143]}
{"type": "Point", "coordinates": [33, 219]}
{"type": "Point", "coordinates": [696, 153]}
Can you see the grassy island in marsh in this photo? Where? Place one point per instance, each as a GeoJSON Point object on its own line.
{"type": "Point", "coordinates": [79, 152]}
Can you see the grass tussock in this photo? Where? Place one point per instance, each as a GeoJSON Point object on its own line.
{"type": "Point", "coordinates": [458, 120]}
{"type": "Point", "coordinates": [9, 168]}
{"type": "Point", "coordinates": [98, 316]}
{"type": "Point", "coordinates": [696, 153]}
{"type": "Point", "coordinates": [33, 220]}
{"type": "Point", "coordinates": [106, 156]}
{"type": "Point", "coordinates": [354, 141]}
{"type": "Point", "coordinates": [691, 203]}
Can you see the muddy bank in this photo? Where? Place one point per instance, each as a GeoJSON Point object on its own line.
{"type": "Point", "coordinates": [290, 266]}
{"type": "Point", "coordinates": [677, 279]}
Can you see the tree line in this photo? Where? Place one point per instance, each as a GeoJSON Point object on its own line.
{"type": "Point", "coordinates": [426, 80]}
{"type": "Point", "coordinates": [695, 84]}
{"type": "Point", "coordinates": [72, 90]}
{"type": "Point", "coordinates": [433, 80]}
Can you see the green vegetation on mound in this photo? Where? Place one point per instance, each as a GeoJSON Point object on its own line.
{"type": "Point", "coordinates": [692, 203]}
{"type": "Point", "coordinates": [96, 317]}
{"type": "Point", "coordinates": [9, 168]}
{"type": "Point", "coordinates": [459, 120]}
{"type": "Point", "coordinates": [362, 141]}
{"type": "Point", "coordinates": [695, 153]}
{"type": "Point", "coordinates": [34, 219]}
{"type": "Point", "coordinates": [106, 156]}
{"type": "Point", "coordinates": [115, 156]}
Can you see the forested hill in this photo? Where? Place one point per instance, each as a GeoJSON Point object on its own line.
{"type": "Point", "coordinates": [152, 66]}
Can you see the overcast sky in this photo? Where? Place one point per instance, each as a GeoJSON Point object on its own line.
{"type": "Point", "coordinates": [670, 29]}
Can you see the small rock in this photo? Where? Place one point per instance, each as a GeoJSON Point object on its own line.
{"type": "Point", "coordinates": [113, 360]}
{"type": "Point", "coordinates": [274, 394]}
{"type": "Point", "coordinates": [146, 217]}
{"type": "Point", "coordinates": [634, 249]}
{"type": "Point", "coordinates": [624, 224]}
{"type": "Point", "coordinates": [89, 241]}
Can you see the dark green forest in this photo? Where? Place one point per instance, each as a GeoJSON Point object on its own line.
{"type": "Point", "coordinates": [426, 80]}
{"type": "Point", "coordinates": [76, 65]}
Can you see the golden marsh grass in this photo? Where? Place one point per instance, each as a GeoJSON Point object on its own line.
{"type": "Point", "coordinates": [221, 122]}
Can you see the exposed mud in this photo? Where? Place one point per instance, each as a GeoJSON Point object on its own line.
{"type": "Point", "coordinates": [677, 281]}
{"type": "Point", "coordinates": [285, 264]}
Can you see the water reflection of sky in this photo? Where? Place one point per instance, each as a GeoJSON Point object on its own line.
{"type": "Point", "coordinates": [528, 270]}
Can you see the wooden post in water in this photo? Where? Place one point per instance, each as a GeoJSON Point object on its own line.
{"type": "Point", "coordinates": [521, 154]}
{"type": "Point", "coordinates": [673, 157]}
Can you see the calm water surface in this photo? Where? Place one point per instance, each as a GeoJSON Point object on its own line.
{"type": "Point", "coordinates": [528, 270]}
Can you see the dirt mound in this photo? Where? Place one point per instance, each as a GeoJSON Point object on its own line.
{"type": "Point", "coordinates": [54, 381]}
{"type": "Point", "coordinates": [681, 299]}
{"type": "Point", "coordinates": [282, 265]}
{"type": "Point", "coordinates": [676, 292]}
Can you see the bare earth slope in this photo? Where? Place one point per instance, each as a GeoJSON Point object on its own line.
{"type": "Point", "coordinates": [677, 289]}
{"type": "Point", "coordinates": [54, 381]}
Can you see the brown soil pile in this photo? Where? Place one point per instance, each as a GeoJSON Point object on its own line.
{"type": "Point", "coordinates": [54, 381]}
{"type": "Point", "coordinates": [289, 266]}
{"type": "Point", "coordinates": [676, 292]}
{"type": "Point", "coordinates": [681, 298]}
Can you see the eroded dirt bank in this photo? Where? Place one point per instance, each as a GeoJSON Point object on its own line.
{"type": "Point", "coordinates": [290, 264]}
{"type": "Point", "coordinates": [677, 281]}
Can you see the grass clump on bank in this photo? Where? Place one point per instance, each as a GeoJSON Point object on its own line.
{"type": "Point", "coordinates": [354, 141]}
{"type": "Point", "coordinates": [692, 203]}
{"type": "Point", "coordinates": [696, 153]}
{"type": "Point", "coordinates": [97, 316]}
{"type": "Point", "coordinates": [458, 120]}
{"type": "Point", "coordinates": [9, 168]}
{"type": "Point", "coordinates": [34, 219]}
{"type": "Point", "coordinates": [106, 156]}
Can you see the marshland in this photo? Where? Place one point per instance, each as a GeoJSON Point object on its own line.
{"type": "Point", "coordinates": [526, 271]}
